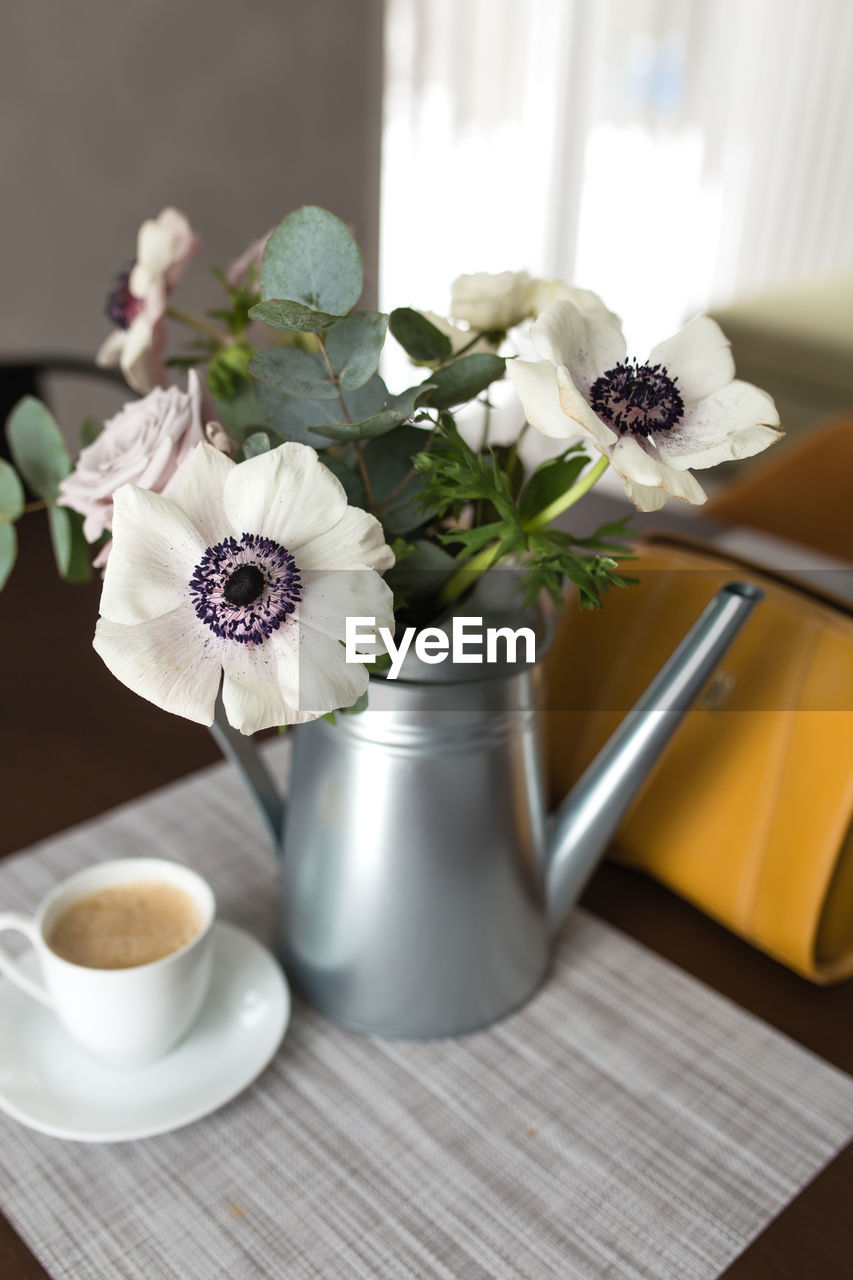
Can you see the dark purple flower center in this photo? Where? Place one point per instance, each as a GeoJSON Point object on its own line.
{"type": "Point", "coordinates": [244, 590]}
{"type": "Point", "coordinates": [637, 399]}
{"type": "Point", "coordinates": [123, 306]}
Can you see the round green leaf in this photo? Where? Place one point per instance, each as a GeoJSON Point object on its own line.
{"type": "Point", "coordinates": [379, 425]}
{"type": "Point", "coordinates": [303, 420]}
{"type": "Point", "coordinates": [258, 442]}
{"type": "Point", "coordinates": [8, 551]}
{"type": "Point", "coordinates": [354, 346]}
{"type": "Point", "coordinates": [11, 492]}
{"type": "Point", "coordinates": [299, 373]}
{"type": "Point", "coordinates": [396, 485]}
{"type": "Point", "coordinates": [312, 258]}
{"type": "Point", "coordinates": [419, 337]}
{"type": "Point", "coordinates": [70, 548]}
{"type": "Point", "coordinates": [292, 316]}
{"type": "Point", "coordinates": [38, 449]}
{"type": "Point", "coordinates": [464, 379]}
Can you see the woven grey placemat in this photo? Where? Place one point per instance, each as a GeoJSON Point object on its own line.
{"type": "Point", "coordinates": [629, 1123]}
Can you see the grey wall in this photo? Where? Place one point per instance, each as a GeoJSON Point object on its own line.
{"type": "Point", "coordinates": [234, 112]}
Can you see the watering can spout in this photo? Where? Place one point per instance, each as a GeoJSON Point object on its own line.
{"type": "Point", "coordinates": [591, 813]}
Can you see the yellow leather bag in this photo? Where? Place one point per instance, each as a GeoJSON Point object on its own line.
{"type": "Point", "coordinates": [749, 812]}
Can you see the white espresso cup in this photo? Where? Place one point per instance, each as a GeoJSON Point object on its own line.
{"type": "Point", "coordinates": [125, 1017]}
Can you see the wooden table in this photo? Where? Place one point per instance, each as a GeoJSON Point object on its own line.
{"type": "Point", "coordinates": [74, 743]}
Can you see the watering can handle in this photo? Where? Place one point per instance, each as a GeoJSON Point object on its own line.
{"type": "Point", "coordinates": [241, 750]}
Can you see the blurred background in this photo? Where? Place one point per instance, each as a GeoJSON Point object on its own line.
{"type": "Point", "coordinates": [673, 155]}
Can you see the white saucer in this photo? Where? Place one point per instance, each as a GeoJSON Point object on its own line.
{"type": "Point", "coordinates": [50, 1084]}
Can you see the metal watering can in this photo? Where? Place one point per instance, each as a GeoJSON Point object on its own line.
{"type": "Point", "coordinates": [423, 881]}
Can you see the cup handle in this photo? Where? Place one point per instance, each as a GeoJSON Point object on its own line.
{"type": "Point", "coordinates": [9, 965]}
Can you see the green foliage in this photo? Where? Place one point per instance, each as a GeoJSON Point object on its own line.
{"type": "Point", "coordinates": [227, 371]}
{"type": "Point", "coordinates": [463, 379]}
{"type": "Point", "coordinates": [294, 317]}
{"type": "Point", "coordinates": [298, 373]}
{"type": "Point", "coordinates": [451, 512]}
{"type": "Point", "coordinates": [257, 442]}
{"type": "Point", "coordinates": [354, 346]}
{"type": "Point", "coordinates": [419, 337]}
{"type": "Point", "coordinates": [345, 467]}
{"type": "Point", "coordinates": [37, 447]}
{"type": "Point", "coordinates": [554, 557]}
{"type": "Point", "coordinates": [396, 483]}
{"type": "Point", "coordinates": [419, 575]}
{"type": "Point", "coordinates": [89, 432]}
{"type": "Point", "coordinates": [8, 551]}
{"type": "Point", "coordinates": [241, 299]}
{"type": "Point", "coordinates": [11, 493]}
{"type": "Point", "coordinates": [550, 480]}
{"type": "Point", "coordinates": [70, 548]}
{"type": "Point", "coordinates": [455, 474]}
{"type": "Point", "coordinates": [312, 258]}
{"type": "Point", "coordinates": [240, 414]}
{"type": "Point", "coordinates": [378, 425]}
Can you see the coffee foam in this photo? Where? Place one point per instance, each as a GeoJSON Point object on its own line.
{"type": "Point", "coordinates": [126, 925]}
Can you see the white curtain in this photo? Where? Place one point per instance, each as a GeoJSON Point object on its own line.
{"type": "Point", "coordinates": [667, 153]}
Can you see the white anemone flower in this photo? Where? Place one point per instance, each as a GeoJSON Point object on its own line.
{"type": "Point", "coordinates": [681, 408]}
{"type": "Point", "coordinates": [245, 575]}
{"type": "Point", "coordinates": [137, 304]}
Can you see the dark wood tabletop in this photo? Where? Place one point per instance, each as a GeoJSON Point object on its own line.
{"type": "Point", "coordinates": [74, 743]}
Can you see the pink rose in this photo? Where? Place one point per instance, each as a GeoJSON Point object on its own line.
{"type": "Point", "coordinates": [144, 444]}
{"type": "Point", "coordinates": [137, 305]}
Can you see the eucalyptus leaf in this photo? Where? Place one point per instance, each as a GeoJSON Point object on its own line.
{"type": "Point", "coordinates": [396, 485]}
{"type": "Point", "coordinates": [37, 447]}
{"type": "Point", "coordinates": [312, 258]}
{"type": "Point", "coordinates": [279, 313]}
{"type": "Point", "coordinates": [293, 418]}
{"type": "Point", "coordinates": [410, 400]}
{"type": "Point", "coordinates": [354, 346]}
{"type": "Point", "coordinates": [11, 493]}
{"type": "Point", "coordinates": [464, 379]}
{"type": "Point", "coordinates": [8, 551]}
{"type": "Point", "coordinates": [378, 425]}
{"type": "Point", "coordinates": [349, 477]}
{"type": "Point", "coordinates": [70, 548]}
{"type": "Point", "coordinates": [418, 336]}
{"type": "Point", "coordinates": [299, 373]}
{"type": "Point", "coordinates": [258, 442]}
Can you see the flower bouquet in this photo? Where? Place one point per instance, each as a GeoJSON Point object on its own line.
{"type": "Point", "coordinates": [242, 521]}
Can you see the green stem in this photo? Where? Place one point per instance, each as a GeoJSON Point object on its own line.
{"type": "Point", "coordinates": [485, 558]}
{"type": "Point", "coordinates": [41, 504]}
{"type": "Point", "coordinates": [462, 578]}
{"type": "Point", "coordinates": [472, 342]}
{"type": "Point", "coordinates": [567, 499]}
{"type": "Point", "coordinates": [200, 324]}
